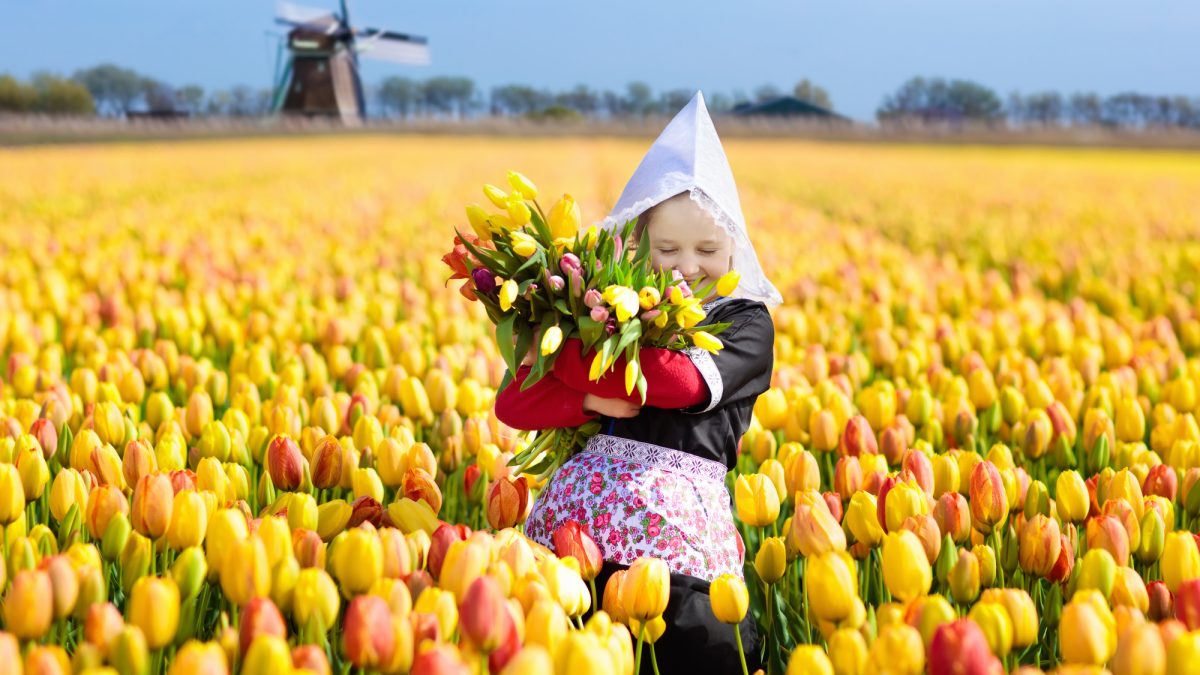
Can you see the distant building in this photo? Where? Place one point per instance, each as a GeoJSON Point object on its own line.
{"type": "Point", "coordinates": [785, 106]}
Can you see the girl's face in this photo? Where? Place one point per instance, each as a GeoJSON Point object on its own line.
{"type": "Point", "coordinates": [685, 237]}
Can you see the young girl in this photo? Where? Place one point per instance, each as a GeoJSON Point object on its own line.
{"type": "Point", "coordinates": [652, 483]}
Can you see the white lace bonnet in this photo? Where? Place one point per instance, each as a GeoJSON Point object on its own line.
{"type": "Point", "coordinates": [687, 156]}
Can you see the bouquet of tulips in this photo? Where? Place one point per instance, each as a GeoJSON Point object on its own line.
{"type": "Point", "coordinates": [540, 277]}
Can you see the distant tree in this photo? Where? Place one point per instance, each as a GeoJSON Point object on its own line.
{"type": "Point", "coordinates": [719, 102]}
{"type": "Point", "coordinates": [1084, 108]}
{"type": "Point", "coordinates": [398, 95]}
{"type": "Point", "coordinates": [158, 96]}
{"type": "Point", "coordinates": [448, 95]}
{"type": "Point", "coordinates": [580, 99]}
{"type": "Point", "coordinates": [1045, 108]}
{"type": "Point", "coordinates": [811, 93]}
{"type": "Point", "coordinates": [671, 102]}
{"type": "Point", "coordinates": [936, 100]}
{"type": "Point", "coordinates": [639, 98]}
{"type": "Point", "coordinates": [114, 89]}
{"type": "Point", "coordinates": [519, 99]}
{"type": "Point", "coordinates": [190, 98]}
{"type": "Point", "coordinates": [60, 96]}
{"type": "Point", "coordinates": [220, 102]}
{"type": "Point", "coordinates": [766, 92]}
{"type": "Point", "coordinates": [16, 96]}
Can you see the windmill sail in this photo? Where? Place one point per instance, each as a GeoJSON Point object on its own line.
{"type": "Point", "coordinates": [299, 15]}
{"type": "Point", "coordinates": [394, 47]}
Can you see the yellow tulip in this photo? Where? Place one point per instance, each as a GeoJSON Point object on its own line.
{"type": "Point", "coordinates": [154, 608]}
{"type": "Point", "coordinates": [522, 185]}
{"type": "Point", "coordinates": [1071, 497]}
{"type": "Point", "coordinates": [644, 589]}
{"type": "Point", "coordinates": [809, 659]}
{"type": "Point", "coordinates": [756, 500]}
{"type": "Point", "coordinates": [830, 582]}
{"type": "Point", "coordinates": [771, 560]}
{"type": "Point", "coordinates": [508, 294]}
{"type": "Point", "coordinates": [728, 283]}
{"type": "Point", "coordinates": [906, 570]}
{"type": "Point", "coordinates": [707, 342]}
{"type": "Point", "coordinates": [729, 598]}
{"type": "Point", "coordinates": [564, 218]}
{"type": "Point", "coordinates": [551, 340]}
{"type": "Point", "coordinates": [523, 244]}
{"type": "Point", "coordinates": [357, 560]}
{"type": "Point", "coordinates": [1180, 560]}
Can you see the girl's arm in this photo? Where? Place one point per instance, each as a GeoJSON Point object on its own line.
{"type": "Point", "coordinates": [672, 378]}
{"type": "Point", "coordinates": [742, 370]}
{"type": "Point", "coordinates": [547, 404]}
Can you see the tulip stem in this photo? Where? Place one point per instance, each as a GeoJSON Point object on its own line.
{"type": "Point", "coordinates": [637, 659]}
{"type": "Point", "coordinates": [653, 659]}
{"type": "Point", "coordinates": [596, 601]}
{"type": "Point", "coordinates": [737, 634]}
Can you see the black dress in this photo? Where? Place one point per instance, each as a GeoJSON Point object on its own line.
{"type": "Point", "coordinates": [695, 641]}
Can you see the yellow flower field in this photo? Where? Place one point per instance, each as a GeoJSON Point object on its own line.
{"type": "Point", "coordinates": [247, 426]}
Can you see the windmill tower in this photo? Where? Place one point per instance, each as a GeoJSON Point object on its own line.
{"type": "Point", "coordinates": [320, 76]}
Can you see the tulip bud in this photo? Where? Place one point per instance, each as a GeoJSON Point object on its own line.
{"type": "Point", "coordinates": [129, 653]}
{"type": "Point", "coordinates": [483, 614]}
{"type": "Point", "coordinates": [357, 560]}
{"type": "Point", "coordinates": [989, 501]}
{"type": "Point", "coordinates": [369, 639]}
{"type": "Point", "coordinates": [154, 608]}
{"type": "Point", "coordinates": [1180, 560]}
{"type": "Point", "coordinates": [644, 588]}
{"type": "Point", "coordinates": [285, 464]}
{"type": "Point", "coordinates": [1039, 545]}
{"type": "Point", "coordinates": [572, 539]}
{"type": "Point", "coordinates": [962, 647]}
{"type": "Point", "coordinates": [964, 578]}
{"type": "Point", "coordinates": [771, 560]}
{"type": "Point", "coordinates": [29, 604]}
{"type": "Point", "coordinates": [829, 581]}
{"type": "Point", "coordinates": [507, 502]}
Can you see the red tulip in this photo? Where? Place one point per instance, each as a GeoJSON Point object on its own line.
{"type": "Point", "coordinates": [960, 648]}
{"type": "Point", "coordinates": [1187, 604]}
{"type": "Point", "coordinates": [483, 613]}
{"type": "Point", "coordinates": [365, 510]}
{"type": "Point", "coordinates": [260, 617]}
{"type": "Point", "coordinates": [573, 539]}
{"type": "Point", "coordinates": [858, 439]}
{"type": "Point", "coordinates": [1162, 605]}
{"type": "Point", "coordinates": [370, 640]}
{"type": "Point", "coordinates": [285, 463]}
{"type": "Point", "coordinates": [1161, 480]}
{"type": "Point", "coordinates": [440, 543]}
{"type": "Point", "coordinates": [312, 658]}
{"type": "Point", "coordinates": [441, 659]}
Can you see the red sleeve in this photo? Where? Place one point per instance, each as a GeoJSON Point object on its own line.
{"type": "Point", "coordinates": [548, 404]}
{"type": "Point", "coordinates": [672, 380]}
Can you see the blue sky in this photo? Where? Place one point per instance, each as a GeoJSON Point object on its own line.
{"type": "Point", "coordinates": [859, 50]}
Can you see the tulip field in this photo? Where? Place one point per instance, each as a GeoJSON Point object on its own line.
{"type": "Point", "coordinates": [246, 425]}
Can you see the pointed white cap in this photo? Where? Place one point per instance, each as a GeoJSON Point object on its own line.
{"type": "Point", "coordinates": [688, 157]}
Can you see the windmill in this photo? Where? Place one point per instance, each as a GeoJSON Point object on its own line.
{"type": "Point", "coordinates": [320, 76]}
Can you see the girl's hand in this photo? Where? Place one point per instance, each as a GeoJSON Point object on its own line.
{"type": "Point", "coordinates": [611, 407]}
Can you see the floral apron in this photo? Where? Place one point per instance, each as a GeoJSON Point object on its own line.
{"type": "Point", "coordinates": [638, 499]}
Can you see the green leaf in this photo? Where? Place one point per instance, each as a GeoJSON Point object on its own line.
{"type": "Point", "coordinates": [524, 340]}
{"type": "Point", "coordinates": [543, 230]}
{"type": "Point", "coordinates": [561, 305]}
{"type": "Point", "coordinates": [504, 340]}
{"type": "Point", "coordinates": [590, 331]}
{"type": "Point", "coordinates": [632, 331]}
